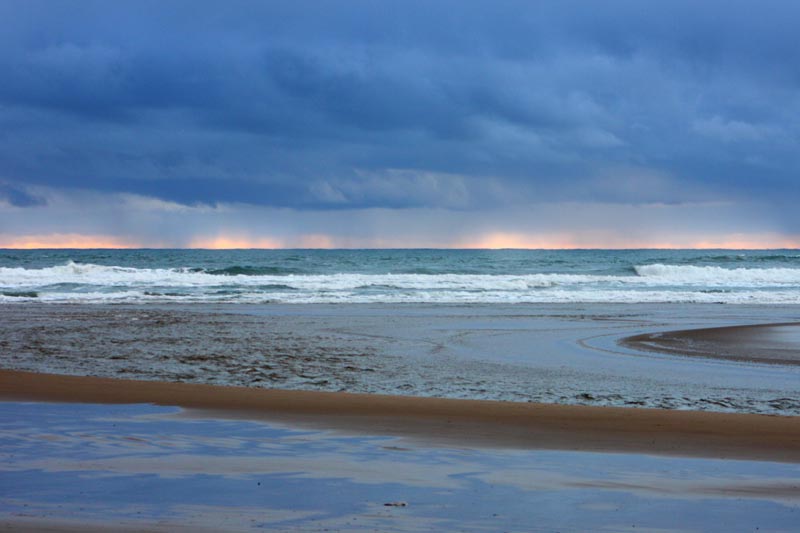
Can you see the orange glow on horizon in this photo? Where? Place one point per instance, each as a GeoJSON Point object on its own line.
{"type": "Point", "coordinates": [494, 240]}
{"type": "Point", "coordinates": [223, 242]}
{"type": "Point", "coordinates": [234, 242]}
{"type": "Point", "coordinates": [66, 240]}
{"type": "Point", "coordinates": [501, 240]}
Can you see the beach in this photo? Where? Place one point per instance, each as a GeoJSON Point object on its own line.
{"type": "Point", "coordinates": [397, 415]}
{"type": "Point", "coordinates": [399, 267]}
{"type": "Point", "coordinates": [574, 354]}
{"type": "Point", "coordinates": [107, 452]}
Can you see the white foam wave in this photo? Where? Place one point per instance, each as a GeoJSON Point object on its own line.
{"type": "Point", "coordinates": [714, 275]}
{"type": "Point", "coordinates": [100, 275]}
{"type": "Point", "coordinates": [445, 297]}
{"type": "Point", "coordinates": [652, 283]}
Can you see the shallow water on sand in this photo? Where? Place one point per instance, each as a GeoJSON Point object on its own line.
{"type": "Point", "coordinates": [562, 353]}
{"type": "Point", "coordinates": [143, 466]}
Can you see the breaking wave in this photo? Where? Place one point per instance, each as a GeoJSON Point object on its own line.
{"type": "Point", "coordinates": [241, 283]}
{"type": "Point", "coordinates": [237, 270]}
{"type": "Point", "coordinates": [718, 275]}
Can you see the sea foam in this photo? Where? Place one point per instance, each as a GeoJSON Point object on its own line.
{"type": "Point", "coordinates": [719, 275]}
{"type": "Point", "coordinates": [642, 283]}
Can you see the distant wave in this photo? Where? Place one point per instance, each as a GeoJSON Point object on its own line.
{"type": "Point", "coordinates": [237, 270]}
{"type": "Point", "coordinates": [20, 294]}
{"type": "Point", "coordinates": [84, 273]}
{"type": "Point", "coordinates": [746, 258]}
{"type": "Point", "coordinates": [717, 275]}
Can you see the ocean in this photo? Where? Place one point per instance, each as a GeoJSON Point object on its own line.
{"type": "Point", "coordinates": [401, 276]}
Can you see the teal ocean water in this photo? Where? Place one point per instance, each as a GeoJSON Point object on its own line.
{"type": "Point", "coordinates": [397, 276]}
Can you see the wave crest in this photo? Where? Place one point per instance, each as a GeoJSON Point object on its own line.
{"type": "Point", "coordinates": [247, 270]}
{"type": "Point", "coordinates": [715, 275]}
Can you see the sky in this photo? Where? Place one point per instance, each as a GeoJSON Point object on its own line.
{"type": "Point", "coordinates": [561, 124]}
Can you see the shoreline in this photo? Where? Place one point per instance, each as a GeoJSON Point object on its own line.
{"type": "Point", "coordinates": [447, 422]}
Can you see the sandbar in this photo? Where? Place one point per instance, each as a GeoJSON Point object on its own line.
{"type": "Point", "coordinates": [761, 343]}
{"type": "Point", "coordinates": [447, 422]}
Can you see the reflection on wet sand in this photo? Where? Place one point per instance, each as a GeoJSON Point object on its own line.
{"type": "Point", "coordinates": [70, 467]}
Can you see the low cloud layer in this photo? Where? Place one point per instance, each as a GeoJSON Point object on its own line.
{"type": "Point", "coordinates": [134, 221]}
{"type": "Point", "coordinates": [376, 112]}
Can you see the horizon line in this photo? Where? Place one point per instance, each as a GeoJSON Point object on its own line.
{"type": "Point", "coordinates": [410, 248]}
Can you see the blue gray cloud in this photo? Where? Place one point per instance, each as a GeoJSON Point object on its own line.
{"type": "Point", "coordinates": [461, 106]}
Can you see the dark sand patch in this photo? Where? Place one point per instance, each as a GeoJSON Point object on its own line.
{"type": "Point", "coordinates": [768, 343]}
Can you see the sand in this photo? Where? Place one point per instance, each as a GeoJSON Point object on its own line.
{"type": "Point", "coordinates": [565, 354]}
{"type": "Point", "coordinates": [777, 344]}
{"type": "Point", "coordinates": [461, 423]}
{"type": "Point", "coordinates": [38, 525]}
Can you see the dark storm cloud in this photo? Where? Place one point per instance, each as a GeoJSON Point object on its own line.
{"type": "Point", "coordinates": [18, 197]}
{"type": "Point", "coordinates": [399, 104]}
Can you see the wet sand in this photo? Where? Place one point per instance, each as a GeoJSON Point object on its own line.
{"type": "Point", "coordinates": [564, 354]}
{"type": "Point", "coordinates": [455, 423]}
{"type": "Point", "coordinates": [123, 467]}
{"type": "Point", "coordinates": [764, 343]}
{"type": "Point", "coordinates": [37, 525]}
{"type": "Point", "coordinates": [99, 456]}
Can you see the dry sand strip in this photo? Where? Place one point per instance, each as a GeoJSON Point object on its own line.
{"type": "Point", "coordinates": [459, 423]}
